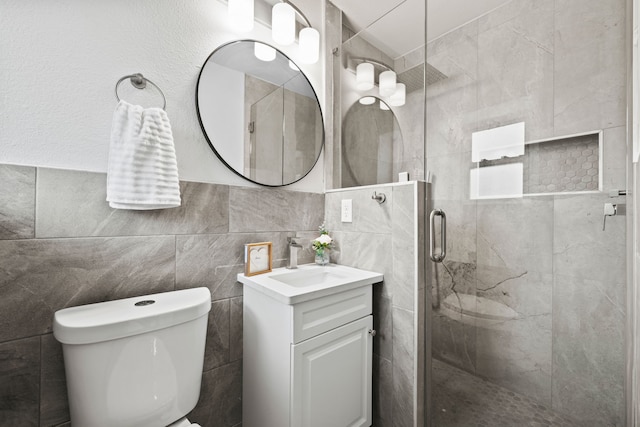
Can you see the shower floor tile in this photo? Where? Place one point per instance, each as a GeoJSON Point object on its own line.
{"type": "Point", "coordinates": [464, 400]}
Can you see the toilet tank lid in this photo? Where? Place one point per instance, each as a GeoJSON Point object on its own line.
{"type": "Point", "coordinates": [104, 321]}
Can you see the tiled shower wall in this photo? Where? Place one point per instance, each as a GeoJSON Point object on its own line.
{"type": "Point", "coordinates": [387, 238]}
{"type": "Point", "coordinates": [544, 261]}
{"type": "Point", "coordinates": [61, 246]}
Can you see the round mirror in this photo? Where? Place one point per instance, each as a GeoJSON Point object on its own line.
{"type": "Point", "coordinates": [370, 130]}
{"type": "Point", "coordinates": [259, 113]}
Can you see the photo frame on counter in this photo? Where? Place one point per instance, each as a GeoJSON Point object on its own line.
{"type": "Point", "coordinates": [257, 258]}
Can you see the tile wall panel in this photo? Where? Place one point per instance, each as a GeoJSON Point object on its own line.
{"type": "Point", "coordinates": [39, 277]}
{"type": "Point", "coordinates": [54, 406]}
{"type": "Point", "coordinates": [383, 238]}
{"type": "Point", "coordinates": [590, 33]}
{"type": "Point", "coordinates": [589, 350]}
{"type": "Point", "coordinates": [85, 252]}
{"type": "Point", "coordinates": [403, 246]}
{"type": "Point", "coordinates": [368, 215]}
{"type": "Point", "coordinates": [235, 333]}
{"type": "Point", "coordinates": [518, 87]}
{"type": "Point", "coordinates": [403, 367]}
{"type": "Point", "coordinates": [17, 199]}
{"type": "Point", "coordinates": [220, 403]}
{"type": "Point", "coordinates": [217, 350]}
{"type": "Point", "coordinates": [382, 392]}
{"type": "Point", "coordinates": [72, 204]}
{"type": "Point", "coordinates": [383, 324]}
{"type": "Point", "coordinates": [20, 385]}
{"type": "Point", "coordinates": [253, 209]}
{"type": "Point", "coordinates": [581, 248]}
{"type": "Point", "coordinates": [214, 260]}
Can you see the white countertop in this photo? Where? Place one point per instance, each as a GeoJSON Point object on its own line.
{"type": "Point", "coordinates": [309, 281]}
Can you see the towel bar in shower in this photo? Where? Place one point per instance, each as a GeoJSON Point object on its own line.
{"type": "Point", "coordinates": [432, 235]}
{"type": "Point", "coordinates": [140, 82]}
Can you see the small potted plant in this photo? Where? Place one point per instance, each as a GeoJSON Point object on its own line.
{"type": "Point", "coordinates": [322, 245]}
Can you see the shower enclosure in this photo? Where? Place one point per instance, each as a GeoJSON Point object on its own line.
{"type": "Point", "coordinates": [526, 147]}
{"type": "Point", "coordinates": [517, 115]}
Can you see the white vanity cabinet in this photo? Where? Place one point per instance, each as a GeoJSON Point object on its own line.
{"type": "Point", "coordinates": [308, 363]}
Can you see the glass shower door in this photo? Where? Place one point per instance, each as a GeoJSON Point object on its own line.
{"type": "Point", "coordinates": [526, 147]}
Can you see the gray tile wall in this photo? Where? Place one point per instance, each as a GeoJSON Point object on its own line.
{"type": "Point", "coordinates": [542, 262]}
{"type": "Point", "coordinates": [61, 246]}
{"type": "Point", "coordinates": [384, 238]}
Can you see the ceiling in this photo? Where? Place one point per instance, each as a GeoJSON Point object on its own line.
{"type": "Point", "coordinates": [397, 26]}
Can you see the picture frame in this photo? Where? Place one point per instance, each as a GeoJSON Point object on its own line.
{"type": "Point", "coordinates": [258, 258]}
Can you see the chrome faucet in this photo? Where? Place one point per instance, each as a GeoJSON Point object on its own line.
{"type": "Point", "coordinates": [293, 244]}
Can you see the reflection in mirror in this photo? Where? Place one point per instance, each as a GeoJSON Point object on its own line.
{"type": "Point", "coordinates": [372, 49]}
{"type": "Point", "coordinates": [261, 117]}
{"type": "Point", "coordinates": [369, 133]}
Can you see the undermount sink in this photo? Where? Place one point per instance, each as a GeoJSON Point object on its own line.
{"type": "Point", "coordinates": [309, 281]}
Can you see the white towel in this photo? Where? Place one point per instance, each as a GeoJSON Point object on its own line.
{"type": "Point", "coordinates": [142, 172]}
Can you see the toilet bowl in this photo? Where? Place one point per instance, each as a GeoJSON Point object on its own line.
{"type": "Point", "coordinates": [135, 362]}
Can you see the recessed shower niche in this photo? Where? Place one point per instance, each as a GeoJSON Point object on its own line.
{"type": "Point", "coordinates": [564, 164]}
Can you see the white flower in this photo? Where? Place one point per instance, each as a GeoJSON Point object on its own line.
{"type": "Point", "coordinates": [324, 239]}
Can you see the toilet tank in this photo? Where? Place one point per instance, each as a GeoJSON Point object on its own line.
{"type": "Point", "coordinates": [135, 361]}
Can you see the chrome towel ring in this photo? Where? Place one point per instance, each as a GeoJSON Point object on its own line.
{"type": "Point", "coordinates": [140, 82]}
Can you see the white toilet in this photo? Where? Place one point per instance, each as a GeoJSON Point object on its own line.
{"type": "Point", "coordinates": [134, 362]}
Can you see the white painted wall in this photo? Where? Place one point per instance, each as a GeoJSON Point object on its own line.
{"type": "Point", "coordinates": [61, 59]}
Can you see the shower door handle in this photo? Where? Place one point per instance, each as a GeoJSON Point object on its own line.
{"type": "Point", "coordinates": [432, 235]}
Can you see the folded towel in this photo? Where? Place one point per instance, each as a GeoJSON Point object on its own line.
{"type": "Point", "coordinates": [142, 172]}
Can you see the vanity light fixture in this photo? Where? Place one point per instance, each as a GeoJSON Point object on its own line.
{"type": "Point", "coordinates": [309, 48]}
{"type": "Point", "coordinates": [283, 32]}
{"type": "Point", "coordinates": [387, 82]}
{"type": "Point", "coordinates": [364, 76]}
{"type": "Point", "coordinates": [240, 14]}
{"type": "Point", "coordinates": [293, 66]}
{"type": "Point", "coordinates": [283, 24]}
{"type": "Point", "coordinates": [398, 97]}
{"type": "Point", "coordinates": [384, 106]}
{"type": "Point", "coordinates": [367, 100]}
{"type": "Point", "coordinates": [264, 52]}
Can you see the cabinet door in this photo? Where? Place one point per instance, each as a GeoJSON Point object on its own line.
{"type": "Point", "coordinates": [331, 384]}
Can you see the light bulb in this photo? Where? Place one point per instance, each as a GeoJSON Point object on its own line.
{"type": "Point", "coordinates": [364, 76]}
{"type": "Point", "coordinates": [384, 106]}
{"type": "Point", "coordinates": [387, 83]}
{"type": "Point", "coordinates": [398, 97]}
{"type": "Point", "coordinates": [293, 66]}
{"type": "Point", "coordinates": [240, 13]}
{"type": "Point", "coordinates": [309, 45]}
{"type": "Point", "coordinates": [367, 100]}
{"type": "Point", "coordinates": [283, 24]}
{"type": "Point", "coordinates": [264, 52]}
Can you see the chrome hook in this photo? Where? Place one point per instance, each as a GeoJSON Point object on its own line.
{"type": "Point", "coordinates": [380, 198]}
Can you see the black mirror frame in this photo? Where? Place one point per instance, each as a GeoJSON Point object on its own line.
{"type": "Point", "coordinates": [213, 148]}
